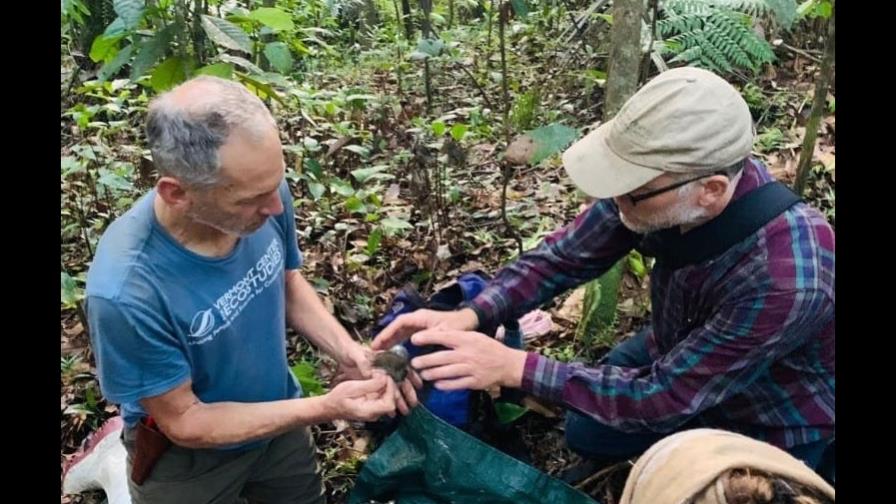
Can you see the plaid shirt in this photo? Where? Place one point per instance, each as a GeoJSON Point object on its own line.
{"type": "Point", "coordinates": [743, 341]}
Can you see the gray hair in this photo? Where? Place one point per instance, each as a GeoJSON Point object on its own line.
{"type": "Point", "coordinates": [733, 172]}
{"type": "Point", "coordinates": [185, 138]}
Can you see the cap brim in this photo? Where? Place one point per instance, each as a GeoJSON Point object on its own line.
{"type": "Point", "coordinates": [599, 172]}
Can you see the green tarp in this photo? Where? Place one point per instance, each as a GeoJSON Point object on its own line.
{"type": "Point", "coordinates": [426, 460]}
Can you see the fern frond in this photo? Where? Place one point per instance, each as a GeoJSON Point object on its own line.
{"type": "Point", "coordinates": [724, 36]}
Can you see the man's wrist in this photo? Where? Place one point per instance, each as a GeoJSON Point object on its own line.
{"type": "Point", "coordinates": [516, 366]}
{"type": "Point", "coordinates": [468, 318]}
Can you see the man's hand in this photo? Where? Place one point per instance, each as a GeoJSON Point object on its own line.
{"type": "Point", "coordinates": [355, 362]}
{"type": "Point", "coordinates": [473, 361]}
{"type": "Point", "coordinates": [363, 400]}
{"type": "Point", "coordinates": [406, 398]}
{"type": "Point", "coordinates": [405, 325]}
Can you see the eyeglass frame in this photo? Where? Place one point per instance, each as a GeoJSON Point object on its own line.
{"type": "Point", "coordinates": [634, 199]}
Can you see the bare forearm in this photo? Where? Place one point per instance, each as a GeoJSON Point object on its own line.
{"type": "Point", "coordinates": [201, 426]}
{"type": "Point", "coordinates": [189, 422]}
{"type": "Point", "coordinates": [308, 316]}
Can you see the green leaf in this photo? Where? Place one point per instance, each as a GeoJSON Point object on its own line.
{"type": "Point", "coordinates": [261, 89]}
{"type": "Point", "coordinates": [364, 174]}
{"type": "Point", "coordinates": [393, 225]}
{"type": "Point", "coordinates": [806, 7]}
{"type": "Point", "coordinates": [438, 128]}
{"type": "Point", "coordinates": [113, 180]}
{"type": "Point", "coordinates": [525, 109]}
{"type": "Point", "coordinates": [90, 399]}
{"type": "Point", "coordinates": [72, 294]}
{"type": "Point", "coordinates": [358, 149]}
{"type": "Point", "coordinates": [110, 68]}
{"type": "Point", "coordinates": [355, 205]}
{"type": "Point", "coordinates": [279, 56]}
{"type": "Point", "coordinates": [169, 73]}
{"type": "Point", "coordinates": [550, 140]}
{"type": "Point", "coordinates": [222, 70]}
{"type": "Point", "coordinates": [509, 412]}
{"type": "Point", "coordinates": [458, 131]}
{"type": "Point", "coordinates": [272, 78]}
{"type": "Point", "coordinates": [151, 51]}
{"type": "Point", "coordinates": [74, 9]}
{"type": "Point", "coordinates": [430, 47]}
{"type": "Point", "coordinates": [70, 165]}
{"type": "Point", "coordinates": [606, 17]}
{"type": "Point", "coordinates": [241, 62]}
{"type": "Point", "coordinates": [116, 27]}
{"type": "Point", "coordinates": [316, 189]}
{"type": "Point", "coordinates": [85, 151]}
{"type": "Point", "coordinates": [636, 265]}
{"type": "Point", "coordinates": [599, 307]}
{"type": "Point", "coordinates": [454, 194]}
{"type": "Point", "coordinates": [824, 9]}
{"type": "Point", "coordinates": [227, 34]}
{"type": "Point", "coordinates": [360, 97]}
{"type": "Point", "coordinates": [307, 377]}
{"type": "Point", "coordinates": [342, 187]}
{"type": "Point", "coordinates": [598, 75]}
{"type": "Point", "coordinates": [374, 240]}
{"type": "Point", "coordinates": [437, 18]}
{"type": "Point", "coordinates": [239, 18]}
{"type": "Point", "coordinates": [312, 165]}
{"type": "Point", "coordinates": [273, 18]}
{"type": "Point", "coordinates": [104, 47]}
{"type": "Point", "coordinates": [321, 285]}
{"type": "Point", "coordinates": [130, 11]}
{"type": "Point", "coordinates": [520, 7]}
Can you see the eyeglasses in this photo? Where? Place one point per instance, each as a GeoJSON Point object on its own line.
{"type": "Point", "coordinates": [635, 198]}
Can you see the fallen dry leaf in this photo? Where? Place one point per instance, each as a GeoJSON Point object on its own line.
{"type": "Point", "coordinates": [571, 309]}
{"type": "Point", "coordinates": [533, 404]}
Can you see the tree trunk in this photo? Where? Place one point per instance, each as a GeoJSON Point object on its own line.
{"type": "Point", "coordinates": [625, 54]}
{"type": "Point", "coordinates": [408, 20]}
{"type": "Point", "coordinates": [819, 103]}
{"type": "Point", "coordinates": [425, 10]}
{"type": "Point", "coordinates": [503, 15]}
{"type": "Point", "coordinates": [622, 82]}
{"type": "Point", "coordinates": [198, 32]}
{"type": "Point", "coordinates": [450, 13]}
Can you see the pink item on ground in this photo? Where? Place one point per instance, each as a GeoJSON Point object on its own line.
{"type": "Point", "coordinates": [533, 325]}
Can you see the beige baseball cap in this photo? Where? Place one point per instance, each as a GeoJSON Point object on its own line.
{"type": "Point", "coordinates": [685, 120]}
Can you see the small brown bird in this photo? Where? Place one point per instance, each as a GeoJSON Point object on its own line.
{"type": "Point", "coordinates": [394, 362]}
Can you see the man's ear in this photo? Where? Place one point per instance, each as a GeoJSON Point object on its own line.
{"type": "Point", "coordinates": [714, 189]}
{"type": "Point", "coordinates": [173, 193]}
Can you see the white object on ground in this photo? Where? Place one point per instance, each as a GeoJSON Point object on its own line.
{"type": "Point", "coordinates": [101, 464]}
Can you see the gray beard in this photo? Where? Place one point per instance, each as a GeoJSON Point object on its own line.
{"type": "Point", "coordinates": [678, 215]}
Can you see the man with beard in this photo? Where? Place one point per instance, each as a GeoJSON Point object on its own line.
{"type": "Point", "coordinates": [741, 335]}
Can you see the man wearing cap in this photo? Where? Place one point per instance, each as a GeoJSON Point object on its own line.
{"type": "Point", "coordinates": [742, 330]}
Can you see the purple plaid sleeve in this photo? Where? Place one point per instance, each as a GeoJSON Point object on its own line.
{"type": "Point", "coordinates": [570, 256]}
{"type": "Point", "coordinates": [712, 364]}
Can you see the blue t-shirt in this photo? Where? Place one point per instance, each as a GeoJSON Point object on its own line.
{"type": "Point", "coordinates": [160, 314]}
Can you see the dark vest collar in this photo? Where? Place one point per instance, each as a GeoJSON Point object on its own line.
{"type": "Point", "coordinates": [741, 219]}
